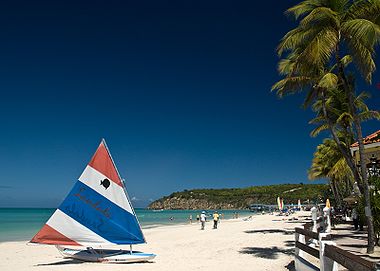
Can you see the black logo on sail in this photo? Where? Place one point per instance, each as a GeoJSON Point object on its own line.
{"type": "Point", "coordinates": [105, 183]}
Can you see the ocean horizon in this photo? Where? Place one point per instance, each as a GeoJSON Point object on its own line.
{"type": "Point", "coordinates": [21, 224]}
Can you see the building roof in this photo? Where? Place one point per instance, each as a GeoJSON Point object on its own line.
{"type": "Point", "coordinates": [372, 138]}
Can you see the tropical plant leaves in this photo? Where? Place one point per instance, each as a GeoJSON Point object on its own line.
{"type": "Point", "coordinates": [329, 81]}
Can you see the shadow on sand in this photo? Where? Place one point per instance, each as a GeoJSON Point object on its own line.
{"type": "Point", "coordinates": [271, 231]}
{"type": "Point", "coordinates": [267, 252]}
{"type": "Point", "coordinates": [290, 266]}
{"type": "Point", "coordinates": [290, 243]}
{"type": "Point", "coordinates": [64, 262]}
{"type": "Point", "coordinates": [74, 261]}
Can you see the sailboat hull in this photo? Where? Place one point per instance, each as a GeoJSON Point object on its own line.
{"type": "Point", "coordinates": [106, 255]}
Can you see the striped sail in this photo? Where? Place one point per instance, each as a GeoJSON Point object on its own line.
{"type": "Point", "coordinates": [279, 203]}
{"type": "Point", "coordinates": [96, 212]}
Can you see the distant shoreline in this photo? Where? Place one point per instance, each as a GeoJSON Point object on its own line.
{"type": "Point", "coordinates": [20, 224]}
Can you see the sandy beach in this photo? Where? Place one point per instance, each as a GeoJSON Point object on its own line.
{"type": "Point", "coordinates": [264, 243]}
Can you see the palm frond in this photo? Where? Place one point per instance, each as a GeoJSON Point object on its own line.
{"type": "Point", "coordinates": [365, 31]}
{"type": "Point", "coordinates": [317, 120]}
{"type": "Point", "coordinates": [320, 15]}
{"type": "Point", "coordinates": [345, 117]}
{"type": "Point", "coordinates": [360, 101]}
{"type": "Point", "coordinates": [339, 6]}
{"type": "Point", "coordinates": [290, 85]}
{"type": "Point", "coordinates": [319, 50]}
{"type": "Point", "coordinates": [316, 131]}
{"type": "Point", "coordinates": [295, 38]}
{"type": "Point", "coordinates": [363, 59]}
{"type": "Point", "coordinates": [303, 8]}
{"type": "Point", "coordinates": [310, 96]}
{"type": "Point", "coordinates": [368, 9]}
{"type": "Point", "coordinates": [369, 115]}
{"type": "Point", "coordinates": [285, 66]}
{"type": "Point", "coordinates": [346, 60]}
{"type": "Point", "coordinates": [328, 81]}
{"type": "Point", "coordinates": [340, 170]}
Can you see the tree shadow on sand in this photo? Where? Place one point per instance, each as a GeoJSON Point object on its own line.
{"type": "Point", "coordinates": [290, 266]}
{"type": "Point", "coordinates": [271, 231]}
{"type": "Point", "coordinates": [267, 252]}
{"type": "Point", "coordinates": [290, 243]}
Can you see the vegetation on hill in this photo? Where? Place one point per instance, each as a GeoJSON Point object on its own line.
{"type": "Point", "coordinates": [231, 198]}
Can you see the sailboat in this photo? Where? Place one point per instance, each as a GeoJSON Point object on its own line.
{"type": "Point", "coordinates": [96, 214]}
{"type": "Point", "coordinates": [279, 204]}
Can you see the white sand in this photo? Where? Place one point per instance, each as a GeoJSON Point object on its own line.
{"type": "Point", "coordinates": [234, 246]}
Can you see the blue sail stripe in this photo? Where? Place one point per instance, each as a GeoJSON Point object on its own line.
{"type": "Point", "coordinates": [101, 215]}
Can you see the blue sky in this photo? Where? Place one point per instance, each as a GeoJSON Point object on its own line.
{"type": "Point", "coordinates": [179, 89]}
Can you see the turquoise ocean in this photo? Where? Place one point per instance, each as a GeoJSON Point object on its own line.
{"type": "Point", "coordinates": [19, 224]}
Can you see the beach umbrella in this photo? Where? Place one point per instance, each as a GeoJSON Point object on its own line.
{"type": "Point", "coordinates": [282, 204]}
{"type": "Point", "coordinates": [328, 203]}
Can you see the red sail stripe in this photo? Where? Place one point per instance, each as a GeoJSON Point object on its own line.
{"type": "Point", "coordinates": [48, 235]}
{"type": "Point", "coordinates": [101, 161]}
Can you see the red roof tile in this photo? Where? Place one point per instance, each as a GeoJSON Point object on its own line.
{"type": "Point", "coordinates": [372, 138]}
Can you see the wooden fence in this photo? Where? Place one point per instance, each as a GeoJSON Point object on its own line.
{"type": "Point", "coordinates": [320, 246]}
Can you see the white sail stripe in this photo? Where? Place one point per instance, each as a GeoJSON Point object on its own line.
{"type": "Point", "coordinates": [115, 193]}
{"type": "Point", "coordinates": [73, 230]}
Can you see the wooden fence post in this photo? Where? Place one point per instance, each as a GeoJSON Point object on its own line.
{"type": "Point", "coordinates": [326, 264]}
{"type": "Point", "coordinates": [327, 219]}
{"type": "Point", "coordinates": [299, 238]}
{"type": "Point", "coordinates": [314, 217]}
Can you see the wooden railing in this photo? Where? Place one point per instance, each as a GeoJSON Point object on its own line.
{"type": "Point", "coordinates": [320, 246]}
{"type": "Point", "coordinates": [349, 260]}
{"type": "Point", "coordinates": [303, 237]}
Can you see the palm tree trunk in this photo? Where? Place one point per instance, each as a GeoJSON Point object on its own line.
{"type": "Point", "coordinates": [357, 125]}
{"type": "Point", "coordinates": [338, 195]}
{"type": "Point", "coordinates": [346, 153]}
{"type": "Point", "coordinates": [349, 187]}
{"type": "Point", "coordinates": [332, 187]}
{"type": "Point", "coordinates": [367, 196]}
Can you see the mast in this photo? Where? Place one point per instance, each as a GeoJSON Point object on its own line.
{"type": "Point", "coordinates": [124, 188]}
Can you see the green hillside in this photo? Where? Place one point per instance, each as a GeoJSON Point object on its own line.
{"type": "Point", "coordinates": [241, 197]}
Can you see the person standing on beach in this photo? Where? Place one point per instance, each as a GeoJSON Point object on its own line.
{"type": "Point", "coordinates": [203, 220]}
{"type": "Point", "coordinates": [216, 219]}
{"type": "Point", "coordinates": [355, 218]}
{"type": "Point", "coordinates": [191, 219]}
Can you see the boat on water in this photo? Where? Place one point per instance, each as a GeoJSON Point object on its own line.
{"type": "Point", "coordinates": [259, 208]}
{"type": "Point", "coordinates": [96, 215]}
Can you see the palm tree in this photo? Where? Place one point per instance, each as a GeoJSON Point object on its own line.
{"type": "Point", "coordinates": [336, 105]}
{"type": "Point", "coordinates": [326, 27]}
{"type": "Point", "coordinates": [319, 82]}
{"type": "Point", "coordinates": [328, 162]}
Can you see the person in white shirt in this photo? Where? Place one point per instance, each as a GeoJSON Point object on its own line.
{"type": "Point", "coordinates": [203, 220]}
